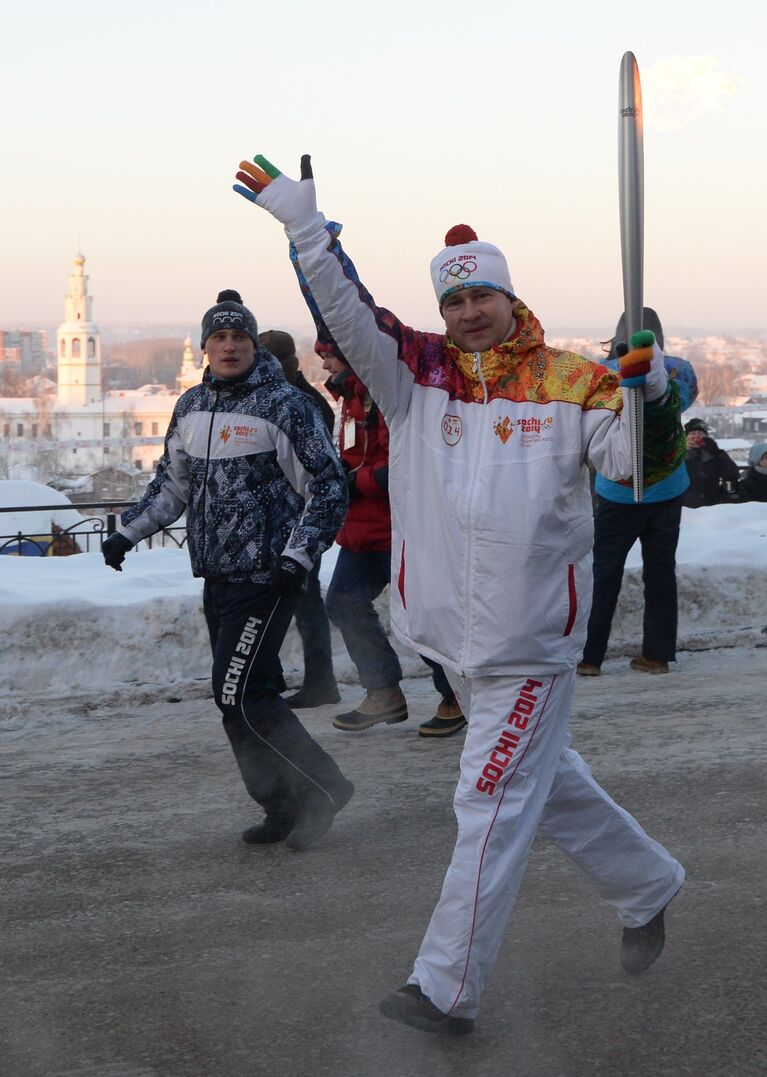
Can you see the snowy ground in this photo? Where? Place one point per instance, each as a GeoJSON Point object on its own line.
{"type": "Point", "coordinates": [73, 624]}
{"type": "Point", "coordinates": [142, 939]}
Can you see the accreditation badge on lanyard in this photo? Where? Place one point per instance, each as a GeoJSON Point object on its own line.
{"type": "Point", "coordinates": [350, 433]}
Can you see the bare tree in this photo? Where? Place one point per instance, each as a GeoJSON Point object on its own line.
{"type": "Point", "coordinates": [718, 383]}
{"type": "Point", "coordinates": [44, 459]}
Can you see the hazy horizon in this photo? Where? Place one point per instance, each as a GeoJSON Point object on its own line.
{"type": "Point", "coordinates": [111, 331]}
{"type": "Point", "coordinates": [124, 135]}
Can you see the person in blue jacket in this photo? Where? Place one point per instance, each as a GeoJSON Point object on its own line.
{"type": "Point", "coordinates": [654, 521]}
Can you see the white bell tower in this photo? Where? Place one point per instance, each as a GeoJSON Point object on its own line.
{"type": "Point", "coordinates": [190, 373]}
{"type": "Point", "coordinates": [78, 345]}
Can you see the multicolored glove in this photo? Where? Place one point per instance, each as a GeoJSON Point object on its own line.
{"type": "Point", "coordinates": [643, 366]}
{"type": "Point", "coordinates": [293, 203]}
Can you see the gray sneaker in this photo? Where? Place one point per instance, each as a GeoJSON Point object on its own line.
{"type": "Point", "coordinates": [410, 1006]}
{"type": "Point", "coordinates": [641, 946]}
{"type": "Point", "coordinates": [316, 818]}
{"type": "Point", "coordinates": [313, 696]}
{"type": "Point", "coordinates": [268, 832]}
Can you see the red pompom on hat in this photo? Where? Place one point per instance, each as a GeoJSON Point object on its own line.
{"type": "Point", "coordinates": [466, 262]}
{"type": "Point", "coordinates": [460, 233]}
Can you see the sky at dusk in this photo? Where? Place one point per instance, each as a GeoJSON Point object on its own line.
{"type": "Point", "coordinates": [124, 127]}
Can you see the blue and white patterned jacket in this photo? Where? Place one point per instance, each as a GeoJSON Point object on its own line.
{"type": "Point", "coordinates": [253, 466]}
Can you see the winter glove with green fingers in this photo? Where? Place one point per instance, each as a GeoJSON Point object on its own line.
{"type": "Point", "coordinates": [643, 366]}
{"type": "Point", "coordinates": [292, 202]}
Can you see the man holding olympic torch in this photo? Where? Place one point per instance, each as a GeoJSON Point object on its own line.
{"type": "Point", "coordinates": [491, 432]}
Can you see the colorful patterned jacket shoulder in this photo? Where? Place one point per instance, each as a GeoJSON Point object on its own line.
{"type": "Point", "coordinates": [521, 369]}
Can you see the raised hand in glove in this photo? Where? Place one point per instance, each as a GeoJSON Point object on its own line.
{"type": "Point", "coordinates": [292, 202]}
{"type": "Point", "coordinates": [114, 550]}
{"type": "Point", "coordinates": [643, 366]}
{"type": "Point", "coordinates": [288, 577]}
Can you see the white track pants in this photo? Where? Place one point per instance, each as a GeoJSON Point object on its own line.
{"type": "Point", "coordinates": [518, 773]}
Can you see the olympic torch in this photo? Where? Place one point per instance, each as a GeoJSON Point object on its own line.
{"type": "Point", "coordinates": [631, 189]}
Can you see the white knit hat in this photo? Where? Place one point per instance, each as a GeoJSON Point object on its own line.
{"type": "Point", "coordinates": [466, 262]}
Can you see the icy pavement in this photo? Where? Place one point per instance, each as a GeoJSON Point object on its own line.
{"type": "Point", "coordinates": [142, 939]}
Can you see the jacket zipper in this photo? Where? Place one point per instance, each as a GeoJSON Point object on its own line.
{"type": "Point", "coordinates": [205, 480]}
{"type": "Point", "coordinates": [572, 599]}
{"type": "Point", "coordinates": [469, 500]}
{"type": "Point", "coordinates": [478, 372]}
{"type": "Point", "coordinates": [364, 454]}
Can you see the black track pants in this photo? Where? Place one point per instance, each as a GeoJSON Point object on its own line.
{"type": "Point", "coordinates": [282, 766]}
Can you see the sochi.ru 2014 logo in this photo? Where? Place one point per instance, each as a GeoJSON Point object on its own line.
{"type": "Point", "coordinates": [225, 433]}
{"type": "Point", "coordinates": [536, 426]}
{"type": "Point", "coordinates": [452, 429]}
{"type": "Point", "coordinates": [504, 428]}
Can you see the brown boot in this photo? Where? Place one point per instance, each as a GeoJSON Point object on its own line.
{"type": "Point", "coordinates": [648, 665]}
{"type": "Point", "coordinates": [379, 705]}
{"type": "Point", "coordinates": [585, 669]}
{"type": "Point", "coordinates": [448, 720]}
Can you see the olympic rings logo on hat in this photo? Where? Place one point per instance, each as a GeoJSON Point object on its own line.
{"type": "Point", "coordinates": [458, 270]}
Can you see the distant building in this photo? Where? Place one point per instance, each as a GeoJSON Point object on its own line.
{"type": "Point", "coordinates": [112, 483]}
{"type": "Point", "coordinates": [755, 386]}
{"type": "Point", "coordinates": [81, 429]}
{"type": "Point", "coordinates": [78, 346]}
{"type": "Point", "coordinates": [755, 422]}
{"type": "Point", "coordinates": [25, 349]}
{"type": "Point", "coordinates": [190, 373]}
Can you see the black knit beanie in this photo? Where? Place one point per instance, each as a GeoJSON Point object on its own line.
{"type": "Point", "coordinates": [228, 313]}
{"type": "Point", "coordinates": [650, 320]}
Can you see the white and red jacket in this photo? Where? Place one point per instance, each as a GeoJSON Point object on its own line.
{"type": "Point", "coordinates": [491, 510]}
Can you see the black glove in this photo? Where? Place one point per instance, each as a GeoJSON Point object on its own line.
{"type": "Point", "coordinates": [351, 480]}
{"type": "Point", "coordinates": [288, 577]}
{"type": "Point", "coordinates": [114, 550]}
{"type": "Point", "coordinates": [381, 476]}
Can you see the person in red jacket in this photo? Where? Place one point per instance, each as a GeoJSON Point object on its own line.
{"type": "Point", "coordinates": [363, 567]}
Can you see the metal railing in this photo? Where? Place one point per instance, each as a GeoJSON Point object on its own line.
{"type": "Point", "coordinates": [80, 537]}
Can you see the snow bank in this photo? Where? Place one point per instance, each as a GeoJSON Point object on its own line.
{"type": "Point", "coordinates": [72, 624]}
{"type": "Point", "coordinates": [17, 492]}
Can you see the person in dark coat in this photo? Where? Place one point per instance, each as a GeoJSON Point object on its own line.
{"type": "Point", "coordinates": [753, 485]}
{"type": "Point", "coordinates": [319, 685]}
{"type": "Point", "coordinates": [249, 462]}
{"type": "Point", "coordinates": [713, 473]}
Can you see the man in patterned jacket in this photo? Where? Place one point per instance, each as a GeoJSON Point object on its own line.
{"type": "Point", "coordinates": [490, 434]}
{"type": "Point", "coordinates": [248, 458]}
